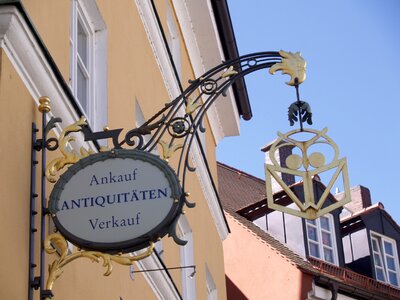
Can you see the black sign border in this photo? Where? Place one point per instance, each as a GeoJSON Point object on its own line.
{"type": "Point", "coordinates": [128, 245]}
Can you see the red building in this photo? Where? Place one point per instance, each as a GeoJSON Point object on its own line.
{"type": "Point", "coordinates": [351, 253]}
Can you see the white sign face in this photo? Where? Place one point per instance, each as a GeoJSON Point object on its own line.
{"type": "Point", "coordinates": [114, 201]}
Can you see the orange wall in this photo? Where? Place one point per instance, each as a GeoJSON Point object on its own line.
{"type": "Point", "coordinates": [257, 269]}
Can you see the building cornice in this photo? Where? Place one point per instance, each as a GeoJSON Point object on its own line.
{"type": "Point", "coordinates": [202, 40]}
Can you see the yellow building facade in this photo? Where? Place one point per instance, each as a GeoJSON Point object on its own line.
{"type": "Point", "coordinates": [117, 63]}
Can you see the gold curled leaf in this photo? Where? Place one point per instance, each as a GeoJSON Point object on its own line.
{"type": "Point", "coordinates": [229, 72]}
{"type": "Point", "coordinates": [292, 64]}
{"type": "Point", "coordinates": [168, 149]}
{"type": "Point", "coordinates": [192, 105]}
{"type": "Point", "coordinates": [56, 242]}
{"type": "Point", "coordinates": [69, 157]}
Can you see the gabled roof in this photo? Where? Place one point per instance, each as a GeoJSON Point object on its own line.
{"type": "Point", "coordinates": [353, 218]}
{"type": "Point", "coordinates": [238, 189]}
{"type": "Point", "coordinates": [294, 258]}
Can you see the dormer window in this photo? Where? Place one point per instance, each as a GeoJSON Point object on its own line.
{"type": "Point", "coordinates": [386, 261]}
{"type": "Point", "coordinates": [321, 239]}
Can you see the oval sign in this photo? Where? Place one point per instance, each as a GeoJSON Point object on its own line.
{"type": "Point", "coordinates": [116, 201]}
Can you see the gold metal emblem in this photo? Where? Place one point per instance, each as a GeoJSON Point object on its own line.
{"type": "Point", "coordinates": [69, 157]}
{"type": "Point", "coordinates": [292, 64]}
{"type": "Point", "coordinates": [307, 165]}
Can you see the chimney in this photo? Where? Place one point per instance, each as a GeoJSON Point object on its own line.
{"type": "Point", "coordinates": [360, 198]}
{"type": "Point", "coordinates": [280, 155]}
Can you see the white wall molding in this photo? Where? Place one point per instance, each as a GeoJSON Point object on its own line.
{"type": "Point", "coordinates": [159, 281]}
{"type": "Point", "coordinates": [201, 36]}
{"type": "Point", "coordinates": [160, 52]}
{"type": "Point", "coordinates": [26, 56]}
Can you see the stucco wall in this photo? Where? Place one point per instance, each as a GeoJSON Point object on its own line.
{"type": "Point", "coordinates": [257, 269]}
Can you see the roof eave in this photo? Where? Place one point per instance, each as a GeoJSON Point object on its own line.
{"type": "Point", "coordinates": [228, 41]}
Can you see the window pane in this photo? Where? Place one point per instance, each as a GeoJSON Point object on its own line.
{"type": "Point", "coordinates": [82, 43]}
{"type": "Point", "coordinates": [328, 255]}
{"type": "Point", "coordinates": [390, 263]}
{"type": "Point", "coordinates": [325, 223]}
{"type": "Point", "coordinates": [82, 88]}
{"type": "Point", "coordinates": [388, 248]}
{"type": "Point", "coordinates": [312, 233]}
{"type": "Point", "coordinates": [326, 239]}
{"type": "Point", "coordinates": [314, 250]}
{"type": "Point", "coordinates": [312, 222]}
{"type": "Point", "coordinates": [375, 246]}
{"type": "Point", "coordinates": [393, 278]}
{"type": "Point", "coordinates": [379, 274]}
{"type": "Point", "coordinates": [377, 259]}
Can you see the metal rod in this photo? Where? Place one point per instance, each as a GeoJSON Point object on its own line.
{"type": "Point", "coordinates": [32, 213]}
{"type": "Point", "coordinates": [296, 81]}
{"type": "Point", "coordinates": [43, 204]}
{"type": "Point", "coordinates": [164, 269]}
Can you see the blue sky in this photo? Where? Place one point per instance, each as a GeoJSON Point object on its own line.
{"type": "Point", "coordinates": [352, 49]}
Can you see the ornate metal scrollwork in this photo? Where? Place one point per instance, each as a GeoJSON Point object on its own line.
{"type": "Point", "coordinates": [181, 118]}
{"type": "Point", "coordinates": [69, 157]}
{"type": "Point", "coordinates": [174, 127]}
{"type": "Point", "coordinates": [56, 243]}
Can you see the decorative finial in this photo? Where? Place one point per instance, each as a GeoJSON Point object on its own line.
{"type": "Point", "coordinates": [44, 106]}
{"type": "Point", "coordinates": [292, 64]}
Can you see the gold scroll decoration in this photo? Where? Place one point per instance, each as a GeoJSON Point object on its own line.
{"type": "Point", "coordinates": [306, 166]}
{"type": "Point", "coordinates": [57, 243]}
{"type": "Point", "coordinates": [168, 149]}
{"type": "Point", "coordinates": [69, 157]}
{"type": "Point", "coordinates": [292, 64]}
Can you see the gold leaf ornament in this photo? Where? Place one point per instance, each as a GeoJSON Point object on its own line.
{"type": "Point", "coordinates": [69, 157]}
{"type": "Point", "coordinates": [192, 105]}
{"type": "Point", "coordinates": [292, 64]}
{"type": "Point", "coordinates": [229, 72]}
{"type": "Point", "coordinates": [168, 149]}
{"type": "Point", "coordinates": [57, 243]}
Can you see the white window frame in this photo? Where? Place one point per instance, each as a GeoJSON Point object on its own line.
{"type": "Point", "coordinates": [212, 292]}
{"type": "Point", "coordinates": [187, 259]}
{"type": "Point", "coordinates": [173, 40]}
{"type": "Point", "coordinates": [87, 14]}
{"type": "Point", "coordinates": [320, 244]}
{"type": "Point", "coordinates": [381, 239]}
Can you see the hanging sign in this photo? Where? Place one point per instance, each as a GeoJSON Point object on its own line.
{"type": "Point", "coordinates": [116, 201]}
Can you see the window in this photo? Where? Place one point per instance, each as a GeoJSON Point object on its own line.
{"type": "Point", "coordinates": [187, 259]}
{"type": "Point", "coordinates": [88, 61]}
{"type": "Point", "coordinates": [385, 258]}
{"type": "Point", "coordinates": [211, 287]}
{"type": "Point", "coordinates": [82, 46]}
{"type": "Point", "coordinates": [173, 40]}
{"type": "Point", "coordinates": [139, 121]}
{"type": "Point", "coordinates": [321, 239]}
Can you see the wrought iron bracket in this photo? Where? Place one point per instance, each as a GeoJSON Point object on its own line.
{"type": "Point", "coordinates": [174, 128]}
